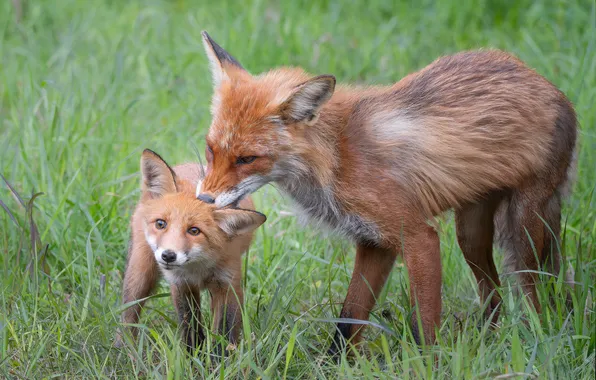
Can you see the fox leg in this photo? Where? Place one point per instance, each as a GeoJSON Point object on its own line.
{"type": "Point", "coordinates": [187, 300]}
{"type": "Point", "coordinates": [140, 279]}
{"type": "Point", "coordinates": [475, 230]}
{"type": "Point", "coordinates": [525, 250]}
{"type": "Point", "coordinates": [226, 304]}
{"type": "Point", "coordinates": [372, 267]}
{"type": "Point", "coordinates": [552, 258]}
{"type": "Point", "coordinates": [422, 256]}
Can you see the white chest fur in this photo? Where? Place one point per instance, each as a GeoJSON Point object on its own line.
{"type": "Point", "coordinates": [320, 205]}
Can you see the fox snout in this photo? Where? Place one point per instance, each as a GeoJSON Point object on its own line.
{"type": "Point", "coordinates": [207, 198]}
{"type": "Point", "coordinates": [234, 194]}
{"type": "Point", "coordinates": [229, 198]}
{"type": "Point", "coordinates": [168, 256]}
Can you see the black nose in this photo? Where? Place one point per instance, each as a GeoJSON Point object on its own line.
{"type": "Point", "coordinates": [206, 198]}
{"type": "Point", "coordinates": [168, 256]}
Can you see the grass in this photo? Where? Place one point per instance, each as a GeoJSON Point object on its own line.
{"type": "Point", "coordinates": [86, 86]}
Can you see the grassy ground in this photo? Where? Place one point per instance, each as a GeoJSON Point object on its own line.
{"type": "Point", "coordinates": [85, 86]}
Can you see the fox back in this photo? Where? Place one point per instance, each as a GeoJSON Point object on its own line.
{"type": "Point", "coordinates": [459, 128]}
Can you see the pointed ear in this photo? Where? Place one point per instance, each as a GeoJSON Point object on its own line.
{"type": "Point", "coordinates": [219, 60]}
{"type": "Point", "coordinates": [305, 102]}
{"type": "Point", "coordinates": [238, 221]}
{"type": "Point", "coordinates": [158, 178]}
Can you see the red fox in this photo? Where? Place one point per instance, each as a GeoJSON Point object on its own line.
{"type": "Point", "coordinates": [478, 132]}
{"type": "Point", "coordinates": [192, 244]}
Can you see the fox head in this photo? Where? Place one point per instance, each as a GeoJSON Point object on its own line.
{"type": "Point", "coordinates": [258, 126]}
{"type": "Point", "coordinates": [181, 230]}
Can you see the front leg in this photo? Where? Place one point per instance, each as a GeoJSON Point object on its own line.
{"type": "Point", "coordinates": [372, 267]}
{"type": "Point", "coordinates": [188, 305]}
{"type": "Point", "coordinates": [140, 279]}
{"type": "Point", "coordinates": [423, 260]}
{"type": "Point", "coordinates": [226, 304]}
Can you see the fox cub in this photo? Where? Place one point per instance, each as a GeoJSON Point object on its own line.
{"type": "Point", "coordinates": [192, 244]}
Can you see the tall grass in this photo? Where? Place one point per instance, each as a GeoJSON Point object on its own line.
{"type": "Point", "coordinates": [86, 86]}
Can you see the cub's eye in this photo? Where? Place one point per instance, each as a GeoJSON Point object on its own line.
{"type": "Point", "coordinates": [160, 224]}
{"type": "Point", "coordinates": [245, 160]}
{"type": "Point", "coordinates": [194, 231]}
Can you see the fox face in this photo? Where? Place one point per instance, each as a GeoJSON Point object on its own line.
{"type": "Point", "coordinates": [257, 122]}
{"type": "Point", "coordinates": [189, 238]}
{"type": "Point", "coordinates": [176, 228]}
{"type": "Point", "coordinates": [236, 168]}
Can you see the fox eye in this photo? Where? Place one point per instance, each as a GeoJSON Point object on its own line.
{"type": "Point", "coordinates": [209, 153]}
{"type": "Point", "coordinates": [194, 231]}
{"type": "Point", "coordinates": [160, 224]}
{"type": "Point", "coordinates": [245, 160]}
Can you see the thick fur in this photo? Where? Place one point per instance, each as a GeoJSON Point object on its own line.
{"type": "Point", "coordinates": [478, 132]}
{"type": "Point", "coordinates": [210, 260]}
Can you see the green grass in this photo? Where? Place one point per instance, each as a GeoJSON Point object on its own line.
{"type": "Point", "coordinates": [85, 86]}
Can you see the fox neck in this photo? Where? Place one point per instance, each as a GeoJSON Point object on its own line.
{"type": "Point", "coordinates": [315, 151]}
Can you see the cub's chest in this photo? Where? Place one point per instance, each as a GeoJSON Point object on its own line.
{"type": "Point", "coordinates": [199, 275]}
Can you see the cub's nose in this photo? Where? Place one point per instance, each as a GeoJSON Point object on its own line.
{"type": "Point", "coordinates": [206, 198]}
{"type": "Point", "coordinates": [168, 256]}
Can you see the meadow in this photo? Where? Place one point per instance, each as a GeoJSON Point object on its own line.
{"type": "Point", "coordinates": [86, 86]}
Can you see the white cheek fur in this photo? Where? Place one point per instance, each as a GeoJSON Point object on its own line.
{"type": "Point", "coordinates": [247, 186]}
{"type": "Point", "coordinates": [158, 251]}
{"type": "Point", "coordinates": [193, 267]}
{"type": "Point", "coordinates": [150, 240]}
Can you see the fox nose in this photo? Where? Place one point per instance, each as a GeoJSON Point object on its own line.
{"type": "Point", "coordinates": [168, 256]}
{"type": "Point", "coordinates": [206, 198]}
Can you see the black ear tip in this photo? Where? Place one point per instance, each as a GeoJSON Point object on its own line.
{"type": "Point", "coordinates": [207, 38]}
{"type": "Point", "coordinates": [149, 157]}
{"type": "Point", "coordinates": [253, 211]}
{"type": "Point", "coordinates": [261, 215]}
{"type": "Point", "coordinates": [328, 79]}
{"type": "Point", "coordinates": [149, 154]}
{"type": "Point", "coordinates": [331, 79]}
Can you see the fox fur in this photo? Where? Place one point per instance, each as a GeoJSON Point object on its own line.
{"type": "Point", "coordinates": [199, 247]}
{"type": "Point", "coordinates": [478, 132]}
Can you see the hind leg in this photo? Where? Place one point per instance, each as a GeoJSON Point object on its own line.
{"type": "Point", "coordinates": [527, 231]}
{"type": "Point", "coordinates": [552, 259]}
{"type": "Point", "coordinates": [551, 252]}
{"type": "Point", "coordinates": [475, 230]}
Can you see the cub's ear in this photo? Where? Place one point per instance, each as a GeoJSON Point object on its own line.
{"type": "Point", "coordinates": [307, 99]}
{"type": "Point", "coordinates": [158, 178]}
{"type": "Point", "coordinates": [238, 221]}
{"type": "Point", "coordinates": [221, 62]}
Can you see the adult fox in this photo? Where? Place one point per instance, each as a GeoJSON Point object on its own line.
{"type": "Point", "coordinates": [478, 132]}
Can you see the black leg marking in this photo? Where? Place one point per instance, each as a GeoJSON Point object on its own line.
{"type": "Point", "coordinates": [342, 336]}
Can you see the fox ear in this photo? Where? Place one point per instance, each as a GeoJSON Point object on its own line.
{"type": "Point", "coordinates": [219, 60]}
{"type": "Point", "coordinates": [238, 221]}
{"type": "Point", "coordinates": [158, 178]}
{"type": "Point", "coordinates": [305, 102]}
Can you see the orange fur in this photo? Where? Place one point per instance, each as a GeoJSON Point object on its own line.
{"type": "Point", "coordinates": [213, 256]}
{"type": "Point", "coordinates": [478, 132]}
